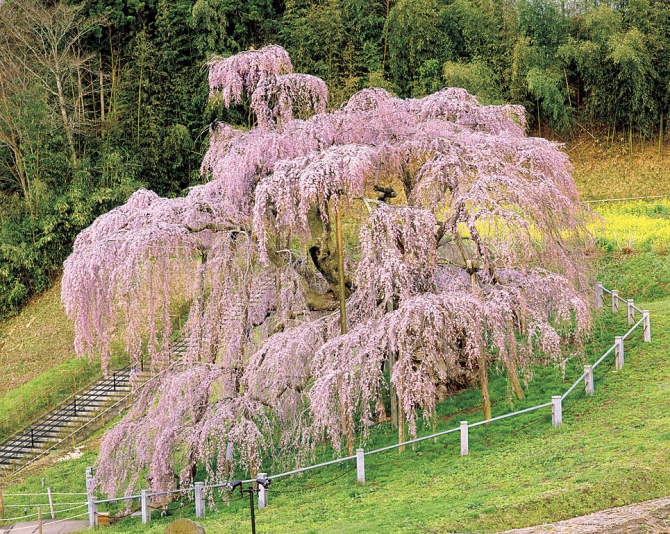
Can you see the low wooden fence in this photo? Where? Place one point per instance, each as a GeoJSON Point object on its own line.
{"type": "Point", "coordinates": [19, 507]}
{"type": "Point", "coordinates": [636, 318]}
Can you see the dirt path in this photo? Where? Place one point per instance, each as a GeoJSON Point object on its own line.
{"type": "Point", "coordinates": [49, 526]}
{"type": "Point", "coordinates": [649, 517]}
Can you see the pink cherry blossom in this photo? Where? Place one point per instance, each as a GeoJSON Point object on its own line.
{"type": "Point", "coordinates": [464, 248]}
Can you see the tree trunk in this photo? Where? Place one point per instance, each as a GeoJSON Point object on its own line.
{"type": "Point", "coordinates": [66, 125]}
{"type": "Point", "coordinates": [102, 100]}
{"type": "Point", "coordinates": [484, 382]}
{"type": "Point", "coordinates": [386, 33]}
{"type": "Point", "coordinates": [511, 367]}
{"type": "Point", "coordinates": [139, 104]}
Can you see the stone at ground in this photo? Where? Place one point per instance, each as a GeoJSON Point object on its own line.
{"type": "Point", "coordinates": [184, 526]}
{"type": "Point", "coordinates": [49, 526]}
{"type": "Point", "coordinates": [649, 517]}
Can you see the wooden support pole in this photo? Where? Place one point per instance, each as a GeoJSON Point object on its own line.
{"type": "Point", "coordinates": [51, 503]}
{"type": "Point", "coordinates": [2, 506]}
{"type": "Point", "coordinates": [599, 295]}
{"type": "Point", "coordinates": [393, 394]}
{"type": "Point", "coordinates": [401, 429]}
{"type": "Point", "coordinates": [589, 384]}
{"type": "Point", "coordinates": [618, 351]}
{"type": "Point", "coordinates": [360, 466]}
{"type": "Point", "coordinates": [200, 500]}
{"type": "Point", "coordinates": [346, 428]}
{"type": "Point", "coordinates": [556, 410]}
{"type": "Point", "coordinates": [229, 458]}
{"type": "Point", "coordinates": [465, 446]}
{"type": "Point", "coordinates": [646, 326]}
{"type": "Point", "coordinates": [92, 510]}
{"type": "Point", "coordinates": [630, 311]}
{"type": "Point", "coordinates": [39, 519]}
{"type": "Point", "coordinates": [146, 510]}
{"type": "Point", "coordinates": [615, 301]}
{"type": "Point", "coordinates": [262, 493]}
{"type": "Point", "coordinates": [340, 268]}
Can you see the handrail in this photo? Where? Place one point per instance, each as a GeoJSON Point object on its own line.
{"type": "Point", "coordinates": [58, 411]}
{"type": "Point", "coordinates": [96, 377]}
{"type": "Point", "coordinates": [65, 439]}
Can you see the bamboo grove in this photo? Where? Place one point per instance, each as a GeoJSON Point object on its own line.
{"type": "Point", "coordinates": [99, 98]}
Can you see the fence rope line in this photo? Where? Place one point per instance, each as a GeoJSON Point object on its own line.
{"type": "Point", "coordinates": [314, 486]}
{"type": "Point", "coordinates": [38, 494]}
{"type": "Point", "coordinates": [20, 518]}
{"type": "Point", "coordinates": [623, 199]}
{"type": "Point", "coordinates": [47, 504]}
{"type": "Point", "coordinates": [440, 447]}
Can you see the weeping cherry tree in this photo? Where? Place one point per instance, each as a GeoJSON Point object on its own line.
{"type": "Point", "coordinates": [463, 251]}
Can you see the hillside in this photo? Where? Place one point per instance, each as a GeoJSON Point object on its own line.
{"type": "Point", "coordinates": [610, 171]}
{"type": "Point", "coordinates": [35, 341]}
{"type": "Point", "coordinates": [611, 450]}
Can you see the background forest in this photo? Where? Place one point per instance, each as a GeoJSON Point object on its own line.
{"type": "Point", "coordinates": [100, 98]}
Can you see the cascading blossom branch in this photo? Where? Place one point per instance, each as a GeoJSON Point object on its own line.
{"type": "Point", "coordinates": [464, 252]}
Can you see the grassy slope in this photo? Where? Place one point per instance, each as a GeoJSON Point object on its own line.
{"type": "Point", "coordinates": [38, 339]}
{"type": "Point", "coordinates": [37, 362]}
{"type": "Point", "coordinates": [611, 173]}
{"type": "Point", "coordinates": [612, 449]}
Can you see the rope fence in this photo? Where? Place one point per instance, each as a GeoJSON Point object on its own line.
{"type": "Point", "coordinates": [624, 199]}
{"type": "Point", "coordinates": [52, 505]}
{"type": "Point", "coordinates": [556, 404]}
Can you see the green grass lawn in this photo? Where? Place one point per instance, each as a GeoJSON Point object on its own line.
{"type": "Point", "coordinates": [613, 449]}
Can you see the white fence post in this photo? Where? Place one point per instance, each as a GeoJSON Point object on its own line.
{"type": "Point", "coordinates": [465, 449]}
{"type": "Point", "coordinates": [199, 500]}
{"type": "Point", "coordinates": [630, 311]}
{"type": "Point", "coordinates": [92, 507]}
{"type": "Point", "coordinates": [556, 410]}
{"type": "Point", "coordinates": [360, 466]}
{"type": "Point", "coordinates": [92, 511]}
{"type": "Point", "coordinates": [588, 380]}
{"type": "Point", "coordinates": [262, 493]}
{"type": "Point", "coordinates": [646, 326]}
{"type": "Point", "coordinates": [599, 295]}
{"type": "Point", "coordinates": [615, 301]}
{"type": "Point", "coordinates": [51, 503]}
{"type": "Point", "coordinates": [618, 351]}
{"type": "Point", "coordinates": [146, 511]}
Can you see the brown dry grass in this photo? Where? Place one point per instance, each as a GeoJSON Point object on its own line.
{"type": "Point", "coordinates": [34, 341]}
{"type": "Point", "coordinates": [611, 172]}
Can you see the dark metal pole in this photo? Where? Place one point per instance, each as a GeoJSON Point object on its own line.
{"type": "Point", "coordinates": [251, 505]}
{"type": "Point", "coordinates": [75, 406]}
{"type": "Point", "coordinates": [114, 381]}
{"type": "Point", "coordinates": [32, 439]}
